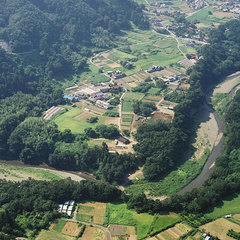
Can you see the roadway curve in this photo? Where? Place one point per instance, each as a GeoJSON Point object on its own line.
{"type": "Point", "coordinates": [217, 149]}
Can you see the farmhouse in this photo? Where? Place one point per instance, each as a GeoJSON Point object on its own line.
{"type": "Point", "coordinates": [90, 91]}
{"type": "Point", "coordinates": [70, 98]}
{"type": "Point", "coordinates": [103, 104]}
{"type": "Point", "coordinates": [123, 140]}
{"type": "Point", "coordinates": [154, 69]}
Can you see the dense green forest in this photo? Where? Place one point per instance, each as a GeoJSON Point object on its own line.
{"type": "Point", "coordinates": [63, 33]}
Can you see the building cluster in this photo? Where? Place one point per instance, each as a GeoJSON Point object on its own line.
{"type": "Point", "coordinates": [67, 207]}
{"type": "Point", "coordinates": [174, 78]}
{"type": "Point", "coordinates": [230, 6]}
{"type": "Point", "coordinates": [116, 74]}
{"type": "Point", "coordinates": [197, 4]}
{"type": "Point", "coordinates": [154, 68]}
{"type": "Point", "coordinates": [98, 95]}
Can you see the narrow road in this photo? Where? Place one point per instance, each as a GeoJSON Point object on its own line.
{"type": "Point", "coordinates": [120, 108]}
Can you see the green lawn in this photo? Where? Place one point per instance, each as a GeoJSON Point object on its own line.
{"type": "Point", "coordinates": [230, 205]}
{"type": "Point", "coordinates": [66, 121]}
{"type": "Point", "coordinates": [146, 224]}
{"type": "Point", "coordinates": [59, 225]}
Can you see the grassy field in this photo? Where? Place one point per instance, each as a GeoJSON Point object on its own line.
{"type": "Point", "coordinates": [17, 173]}
{"type": "Point", "coordinates": [207, 19]}
{"type": "Point", "coordinates": [92, 75]}
{"type": "Point", "coordinates": [59, 225]}
{"type": "Point", "coordinates": [145, 224]}
{"type": "Point", "coordinates": [230, 205]}
{"type": "Point", "coordinates": [173, 181]}
{"type": "Point", "coordinates": [67, 121]}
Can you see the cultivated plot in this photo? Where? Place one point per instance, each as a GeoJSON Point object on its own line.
{"type": "Point", "coordinates": [220, 228]}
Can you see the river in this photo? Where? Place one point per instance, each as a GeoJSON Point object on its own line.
{"type": "Point", "coordinates": [218, 148]}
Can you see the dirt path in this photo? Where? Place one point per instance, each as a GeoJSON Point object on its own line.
{"type": "Point", "coordinates": [120, 108]}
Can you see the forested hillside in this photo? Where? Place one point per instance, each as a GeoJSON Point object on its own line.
{"type": "Point", "coordinates": [64, 32]}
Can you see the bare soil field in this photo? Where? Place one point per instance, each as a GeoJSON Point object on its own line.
{"type": "Point", "coordinates": [163, 116]}
{"type": "Point", "coordinates": [220, 227]}
{"type": "Point", "coordinates": [117, 230]}
{"type": "Point", "coordinates": [92, 233]}
{"type": "Point", "coordinates": [175, 232]}
{"type": "Point", "coordinates": [224, 14]}
{"type": "Point", "coordinates": [97, 212]}
{"type": "Point", "coordinates": [165, 73]}
{"type": "Point", "coordinates": [71, 228]}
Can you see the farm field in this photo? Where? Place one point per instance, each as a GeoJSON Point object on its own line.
{"type": "Point", "coordinates": [92, 75]}
{"type": "Point", "coordinates": [52, 235]}
{"type": "Point", "coordinates": [173, 233]}
{"type": "Point", "coordinates": [207, 19]}
{"type": "Point", "coordinates": [18, 173]}
{"type": "Point", "coordinates": [61, 229]}
{"type": "Point", "coordinates": [76, 120]}
{"type": "Point", "coordinates": [129, 99]}
{"type": "Point", "coordinates": [93, 234]}
{"type": "Point", "coordinates": [145, 224]}
{"type": "Point", "coordinates": [220, 227]}
{"type": "Point", "coordinates": [230, 205]}
{"type": "Point", "coordinates": [122, 230]}
{"type": "Point", "coordinates": [91, 212]}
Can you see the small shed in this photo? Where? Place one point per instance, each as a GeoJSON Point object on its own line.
{"type": "Point", "coordinates": [123, 140]}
